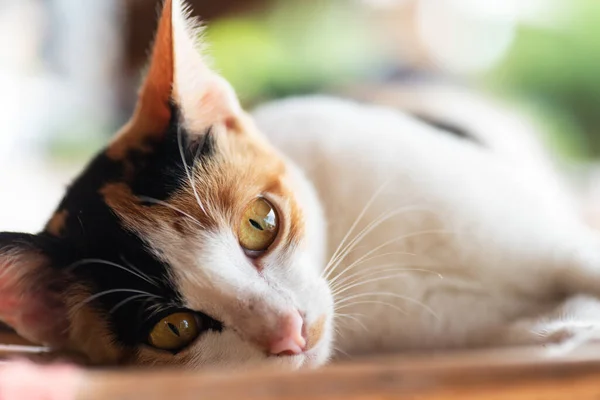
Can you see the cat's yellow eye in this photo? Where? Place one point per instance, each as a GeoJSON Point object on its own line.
{"type": "Point", "coordinates": [259, 226]}
{"type": "Point", "coordinates": [175, 331]}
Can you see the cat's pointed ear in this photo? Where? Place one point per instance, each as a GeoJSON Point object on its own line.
{"type": "Point", "coordinates": [178, 74]}
{"type": "Point", "coordinates": [30, 291]}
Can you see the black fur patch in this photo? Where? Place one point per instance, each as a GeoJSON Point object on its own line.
{"type": "Point", "coordinates": [161, 172]}
{"type": "Point", "coordinates": [109, 259]}
{"type": "Point", "coordinates": [199, 147]}
{"type": "Point", "coordinates": [25, 242]}
{"type": "Point", "coordinates": [447, 127]}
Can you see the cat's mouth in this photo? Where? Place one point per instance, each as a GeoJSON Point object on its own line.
{"type": "Point", "coordinates": [306, 360]}
{"type": "Point", "coordinates": [315, 357]}
{"type": "Point", "coordinates": [311, 358]}
{"type": "Point", "coordinates": [318, 344]}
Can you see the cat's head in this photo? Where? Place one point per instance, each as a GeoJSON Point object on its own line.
{"type": "Point", "coordinates": [188, 241]}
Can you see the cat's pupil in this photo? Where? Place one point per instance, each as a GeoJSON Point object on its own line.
{"type": "Point", "coordinates": [173, 329]}
{"type": "Point", "coordinates": [256, 225]}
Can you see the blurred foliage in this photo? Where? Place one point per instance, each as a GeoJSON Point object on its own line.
{"type": "Point", "coordinates": [297, 47]}
{"type": "Point", "coordinates": [305, 46]}
{"type": "Point", "coordinates": [558, 72]}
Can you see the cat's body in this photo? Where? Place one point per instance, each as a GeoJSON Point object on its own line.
{"type": "Point", "coordinates": [477, 233]}
{"type": "Point", "coordinates": [194, 240]}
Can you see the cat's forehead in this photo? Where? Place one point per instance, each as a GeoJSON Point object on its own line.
{"type": "Point", "coordinates": [210, 175]}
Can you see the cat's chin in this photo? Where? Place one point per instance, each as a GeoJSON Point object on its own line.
{"type": "Point", "coordinates": [298, 362]}
{"type": "Point", "coordinates": [314, 358]}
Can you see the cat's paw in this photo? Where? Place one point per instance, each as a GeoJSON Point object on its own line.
{"type": "Point", "coordinates": [574, 323]}
{"type": "Point", "coordinates": [562, 337]}
{"type": "Point", "coordinates": [25, 380]}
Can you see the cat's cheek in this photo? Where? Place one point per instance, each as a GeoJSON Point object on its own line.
{"type": "Point", "coordinates": [25, 380]}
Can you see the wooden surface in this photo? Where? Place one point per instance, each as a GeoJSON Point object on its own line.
{"type": "Point", "coordinates": [516, 374]}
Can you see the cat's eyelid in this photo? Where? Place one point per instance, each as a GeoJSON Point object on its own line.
{"type": "Point", "coordinates": [253, 254]}
{"type": "Point", "coordinates": [206, 140]}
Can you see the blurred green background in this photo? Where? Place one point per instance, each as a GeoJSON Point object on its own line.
{"type": "Point", "coordinates": [552, 73]}
{"type": "Point", "coordinates": [556, 76]}
{"type": "Point", "coordinates": [278, 48]}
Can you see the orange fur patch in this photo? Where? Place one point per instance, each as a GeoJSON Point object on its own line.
{"type": "Point", "coordinates": [119, 197]}
{"type": "Point", "coordinates": [315, 332]}
{"type": "Point", "coordinates": [140, 217]}
{"type": "Point", "coordinates": [89, 333]}
{"type": "Point", "coordinates": [56, 225]}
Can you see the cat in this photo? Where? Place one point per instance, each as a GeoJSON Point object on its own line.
{"type": "Point", "coordinates": [313, 229]}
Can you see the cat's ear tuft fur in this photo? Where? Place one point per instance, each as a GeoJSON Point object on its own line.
{"type": "Point", "coordinates": [178, 73]}
{"type": "Point", "coordinates": [30, 291]}
{"type": "Point", "coordinates": [203, 96]}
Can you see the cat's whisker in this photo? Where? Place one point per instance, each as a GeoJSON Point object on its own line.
{"type": "Point", "coordinates": [189, 174]}
{"type": "Point", "coordinates": [354, 317]}
{"type": "Point", "coordinates": [343, 315]}
{"type": "Point", "coordinates": [92, 261]}
{"type": "Point", "coordinates": [338, 350]}
{"type": "Point", "coordinates": [383, 303]}
{"type": "Point", "coordinates": [391, 267]}
{"type": "Point", "coordinates": [155, 309]}
{"type": "Point", "coordinates": [338, 332]}
{"type": "Point", "coordinates": [127, 300]}
{"type": "Point", "coordinates": [159, 307]}
{"type": "Point", "coordinates": [343, 252]}
{"type": "Point", "coordinates": [354, 264]}
{"type": "Point", "coordinates": [367, 230]}
{"type": "Point", "coordinates": [134, 268]}
{"type": "Point", "coordinates": [81, 224]}
{"type": "Point", "coordinates": [349, 286]}
{"type": "Point", "coordinates": [172, 207]}
{"type": "Point", "coordinates": [343, 302]}
{"type": "Point", "coordinates": [358, 219]}
{"type": "Point", "coordinates": [107, 292]}
{"type": "Point", "coordinates": [145, 304]}
{"type": "Point", "coordinates": [394, 240]}
{"type": "Point", "coordinates": [399, 270]}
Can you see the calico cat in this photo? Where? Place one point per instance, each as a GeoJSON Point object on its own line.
{"type": "Point", "coordinates": [312, 229]}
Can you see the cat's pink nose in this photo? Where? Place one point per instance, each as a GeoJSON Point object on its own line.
{"type": "Point", "coordinates": [290, 340]}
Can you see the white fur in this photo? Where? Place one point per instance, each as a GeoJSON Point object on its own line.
{"type": "Point", "coordinates": [493, 240]}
